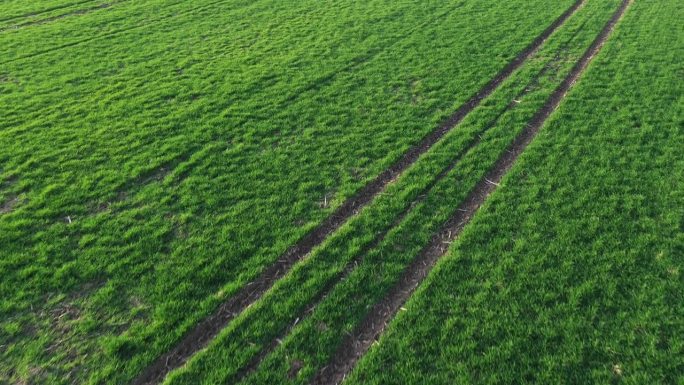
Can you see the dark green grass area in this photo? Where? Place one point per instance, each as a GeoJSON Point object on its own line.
{"type": "Point", "coordinates": [572, 271]}
{"type": "Point", "coordinates": [155, 156]}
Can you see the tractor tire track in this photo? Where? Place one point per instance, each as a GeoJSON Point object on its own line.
{"type": "Point", "coordinates": [351, 266]}
{"type": "Point", "coordinates": [199, 337]}
{"type": "Point", "coordinates": [355, 346]}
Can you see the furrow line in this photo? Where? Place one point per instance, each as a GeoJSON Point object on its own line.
{"type": "Point", "coordinates": [348, 269]}
{"type": "Point", "coordinates": [351, 266]}
{"type": "Point", "coordinates": [200, 336]}
{"type": "Point", "coordinates": [355, 346]}
{"type": "Point", "coordinates": [474, 142]}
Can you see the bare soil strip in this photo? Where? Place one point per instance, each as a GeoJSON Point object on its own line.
{"type": "Point", "coordinates": [206, 330]}
{"type": "Point", "coordinates": [8, 206]}
{"type": "Point", "coordinates": [354, 347]}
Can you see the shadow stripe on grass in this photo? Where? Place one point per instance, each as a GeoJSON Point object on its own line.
{"type": "Point", "coordinates": [200, 336]}
{"type": "Point", "coordinates": [356, 345]}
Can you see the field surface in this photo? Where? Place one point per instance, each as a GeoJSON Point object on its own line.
{"type": "Point", "coordinates": [312, 192]}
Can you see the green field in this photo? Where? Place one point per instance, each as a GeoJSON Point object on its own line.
{"type": "Point", "coordinates": [159, 159]}
{"type": "Point", "coordinates": [571, 273]}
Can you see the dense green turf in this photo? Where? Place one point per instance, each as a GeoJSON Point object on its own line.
{"type": "Point", "coordinates": [17, 12]}
{"type": "Point", "coordinates": [571, 273]}
{"type": "Point", "coordinates": [155, 156]}
{"type": "Point", "coordinates": [317, 336]}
